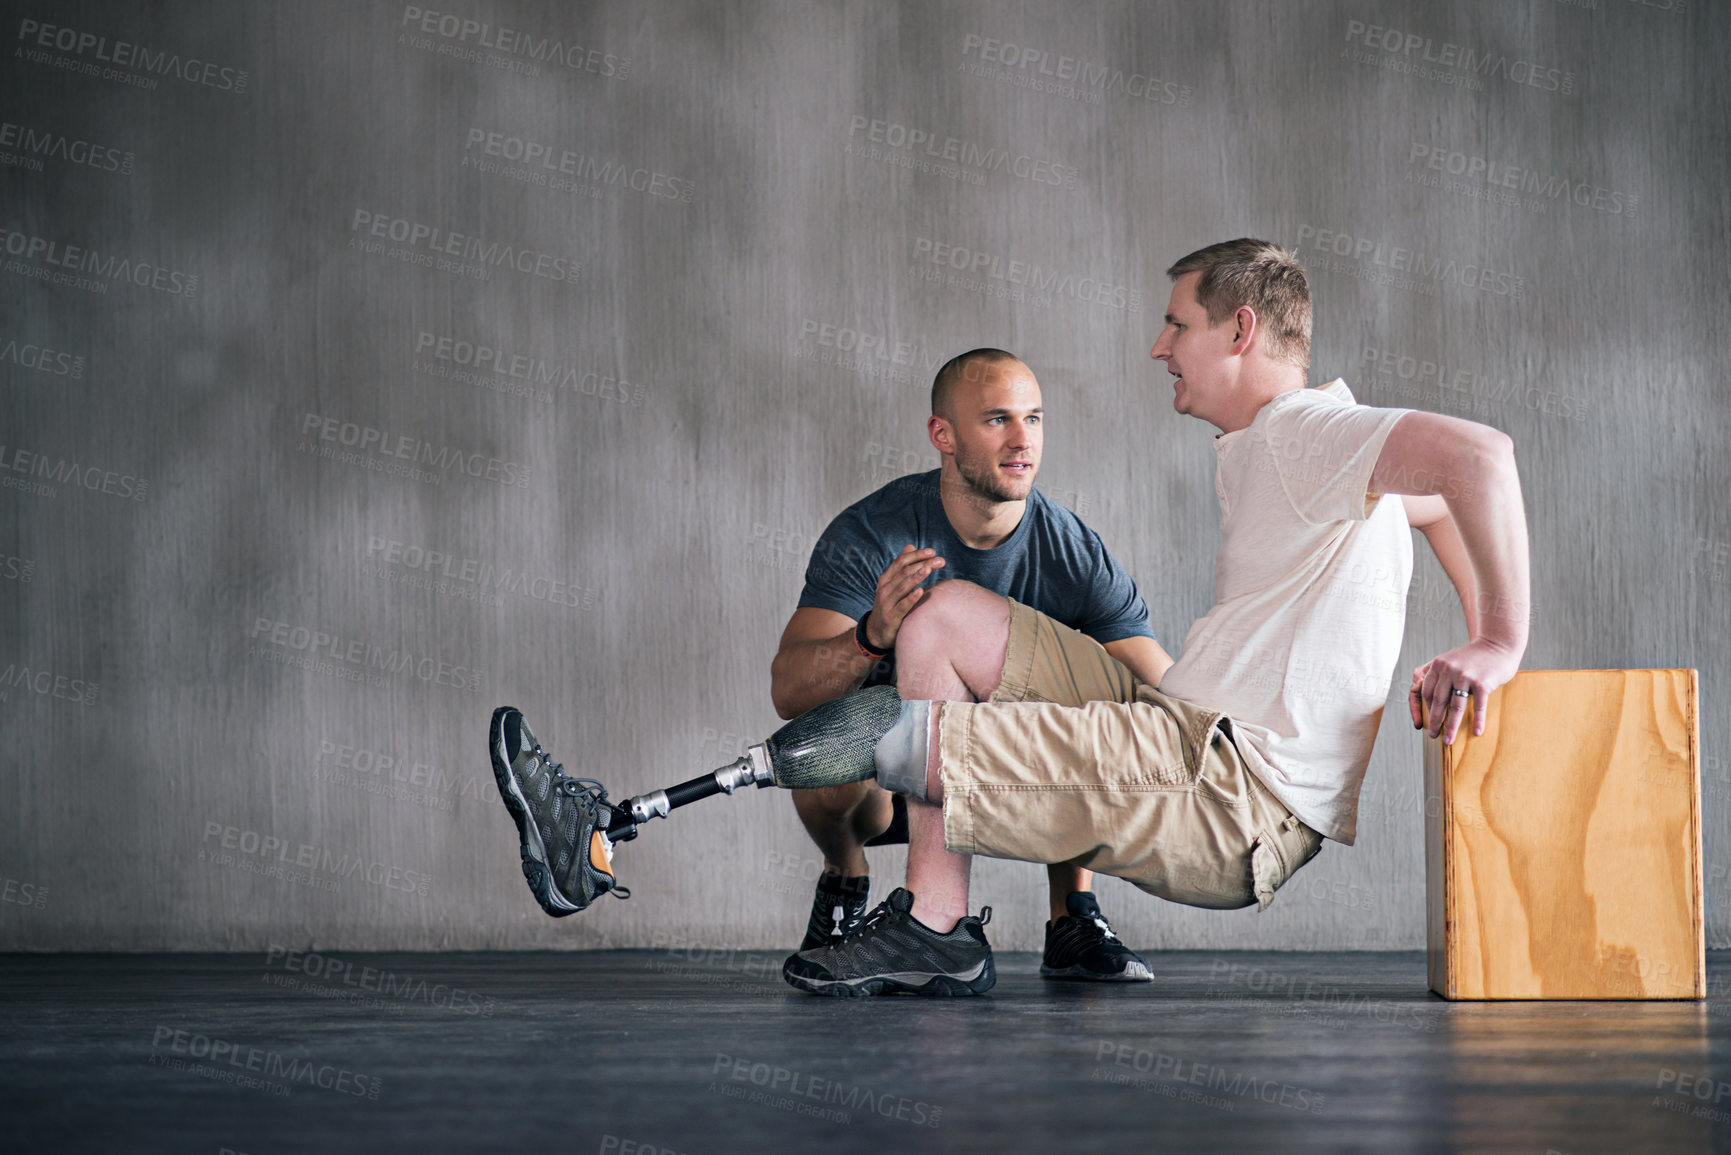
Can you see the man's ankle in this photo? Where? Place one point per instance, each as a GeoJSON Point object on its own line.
{"type": "Point", "coordinates": [852, 865]}
{"type": "Point", "coordinates": [1060, 903]}
{"type": "Point", "coordinates": [835, 882]}
{"type": "Point", "coordinates": [939, 920]}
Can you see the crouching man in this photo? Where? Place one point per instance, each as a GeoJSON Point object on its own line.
{"type": "Point", "coordinates": [978, 518]}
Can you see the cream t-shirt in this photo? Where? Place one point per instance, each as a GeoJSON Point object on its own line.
{"type": "Point", "coordinates": [1310, 600]}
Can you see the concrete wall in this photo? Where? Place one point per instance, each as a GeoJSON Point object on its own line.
{"type": "Point", "coordinates": [263, 487]}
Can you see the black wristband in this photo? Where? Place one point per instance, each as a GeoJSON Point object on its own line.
{"type": "Point", "coordinates": [863, 643]}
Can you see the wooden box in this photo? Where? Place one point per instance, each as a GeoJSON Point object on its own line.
{"type": "Point", "coordinates": [1563, 846]}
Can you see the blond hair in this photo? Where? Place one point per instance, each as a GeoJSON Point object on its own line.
{"type": "Point", "coordinates": [1264, 276]}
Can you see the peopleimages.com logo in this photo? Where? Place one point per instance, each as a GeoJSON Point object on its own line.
{"type": "Point", "coordinates": [42, 358]}
{"type": "Point", "coordinates": [461, 31]}
{"type": "Point", "coordinates": [359, 655]}
{"type": "Point", "coordinates": [267, 853]}
{"type": "Point", "coordinates": [36, 143]}
{"type": "Point", "coordinates": [335, 976]}
{"type": "Point", "coordinates": [367, 445]}
{"type": "Point", "coordinates": [1074, 78]}
{"type": "Point", "coordinates": [51, 471]}
{"type": "Point", "coordinates": [48, 684]}
{"type": "Point", "coordinates": [929, 144]}
{"type": "Point", "coordinates": [546, 163]}
{"type": "Point", "coordinates": [1014, 278]}
{"type": "Point", "coordinates": [88, 268]}
{"type": "Point", "coordinates": [439, 243]}
{"type": "Point", "coordinates": [1477, 170]}
{"type": "Point", "coordinates": [1445, 61]}
{"type": "Point", "coordinates": [445, 568]}
{"type": "Point", "coordinates": [462, 359]}
{"type": "Point", "coordinates": [1382, 262]}
{"type": "Point", "coordinates": [38, 39]}
{"type": "Point", "coordinates": [254, 1067]}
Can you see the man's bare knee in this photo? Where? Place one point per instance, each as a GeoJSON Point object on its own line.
{"type": "Point", "coordinates": [945, 607]}
{"type": "Point", "coordinates": [958, 628]}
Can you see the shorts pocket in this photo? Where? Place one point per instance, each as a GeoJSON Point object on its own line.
{"type": "Point", "coordinates": [1216, 766]}
{"type": "Point", "coordinates": [1276, 856]}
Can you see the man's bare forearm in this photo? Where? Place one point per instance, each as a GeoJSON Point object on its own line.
{"type": "Point", "coordinates": [1491, 522]}
{"type": "Point", "coordinates": [1445, 542]}
{"type": "Point", "coordinates": [809, 673]}
{"type": "Point", "coordinates": [1145, 658]}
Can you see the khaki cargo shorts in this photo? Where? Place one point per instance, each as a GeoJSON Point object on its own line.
{"type": "Point", "coordinates": [1074, 760]}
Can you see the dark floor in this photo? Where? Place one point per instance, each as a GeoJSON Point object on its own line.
{"type": "Point", "coordinates": [653, 1052]}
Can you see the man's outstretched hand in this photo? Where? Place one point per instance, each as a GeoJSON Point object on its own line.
{"type": "Point", "coordinates": [1478, 668]}
{"type": "Point", "coordinates": [899, 592]}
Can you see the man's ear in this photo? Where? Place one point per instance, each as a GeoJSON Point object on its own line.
{"type": "Point", "coordinates": [943, 438]}
{"type": "Point", "coordinates": [1246, 321]}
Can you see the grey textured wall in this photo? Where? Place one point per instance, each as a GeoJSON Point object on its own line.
{"type": "Point", "coordinates": [364, 366]}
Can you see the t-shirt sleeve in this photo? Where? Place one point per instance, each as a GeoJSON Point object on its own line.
{"type": "Point", "coordinates": [1324, 455]}
{"type": "Point", "coordinates": [845, 564]}
{"type": "Point", "coordinates": [1113, 606]}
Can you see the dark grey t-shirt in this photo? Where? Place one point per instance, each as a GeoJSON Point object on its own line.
{"type": "Point", "coordinates": [1052, 562]}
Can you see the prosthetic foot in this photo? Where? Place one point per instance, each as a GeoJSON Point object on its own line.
{"type": "Point", "coordinates": [561, 821]}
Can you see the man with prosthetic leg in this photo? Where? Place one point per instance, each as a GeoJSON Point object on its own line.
{"type": "Point", "coordinates": [1213, 789]}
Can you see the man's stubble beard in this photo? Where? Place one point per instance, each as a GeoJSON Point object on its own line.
{"type": "Point", "coordinates": [986, 488]}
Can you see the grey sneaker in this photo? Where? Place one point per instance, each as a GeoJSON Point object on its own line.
{"type": "Point", "coordinates": [893, 951]}
{"type": "Point", "coordinates": [561, 821]}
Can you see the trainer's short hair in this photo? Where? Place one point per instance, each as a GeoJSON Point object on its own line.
{"type": "Point", "coordinates": [964, 367]}
{"type": "Point", "coordinates": [1264, 276]}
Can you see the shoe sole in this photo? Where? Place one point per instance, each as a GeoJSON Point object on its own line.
{"type": "Point", "coordinates": [534, 851]}
{"type": "Point", "coordinates": [1132, 973]}
{"type": "Point", "coordinates": [975, 982]}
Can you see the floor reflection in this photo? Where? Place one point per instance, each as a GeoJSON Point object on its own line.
{"type": "Point", "coordinates": [1570, 1077]}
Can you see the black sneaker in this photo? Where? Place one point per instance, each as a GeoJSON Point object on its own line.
{"type": "Point", "coordinates": [1083, 946]}
{"type": "Point", "coordinates": [837, 909]}
{"type": "Point", "coordinates": [561, 822]}
{"type": "Point", "coordinates": [893, 951]}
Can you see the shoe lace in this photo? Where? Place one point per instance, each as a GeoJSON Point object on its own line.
{"type": "Point", "coordinates": [581, 787]}
{"type": "Point", "coordinates": [1106, 930]}
{"type": "Point", "coordinates": [874, 918]}
{"type": "Point", "coordinates": [566, 784]}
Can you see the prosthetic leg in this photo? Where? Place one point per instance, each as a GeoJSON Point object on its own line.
{"type": "Point", "coordinates": [829, 745]}
{"type": "Point", "coordinates": [566, 827]}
